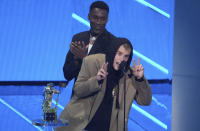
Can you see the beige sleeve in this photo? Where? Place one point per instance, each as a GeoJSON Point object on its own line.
{"type": "Point", "coordinates": [87, 83]}
{"type": "Point", "coordinates": [143, 92]}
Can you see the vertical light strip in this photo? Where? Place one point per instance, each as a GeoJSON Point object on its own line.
{"type": "Point", "coordinates": [154, 8]}
{"type": "Point", "coordinates": [161, 68]}
{"type": "Point", "coordinates": [18, 113]}
{"type": "Point", "coordinates": [149, 116]}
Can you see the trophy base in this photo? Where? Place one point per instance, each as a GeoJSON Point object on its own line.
{"type": "Point", "coordinates": [50, 116]}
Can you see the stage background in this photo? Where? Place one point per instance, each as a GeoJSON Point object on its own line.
{"type": "Point", "coordinates": [35, 35]}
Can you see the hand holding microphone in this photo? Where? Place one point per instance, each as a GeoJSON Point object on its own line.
{"type": "Point", "coordinates": [102, 73]}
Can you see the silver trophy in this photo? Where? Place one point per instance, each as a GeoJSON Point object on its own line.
{"type": "Point", "coordinates": [49, 112]}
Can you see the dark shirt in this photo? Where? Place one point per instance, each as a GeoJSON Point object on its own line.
{"type": "Point", "coordinates": [101, 119]}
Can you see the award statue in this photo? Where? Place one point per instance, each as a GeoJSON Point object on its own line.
{"type": "Point", "coordinates": [50, 113]}
{"type": "Point", "coordinates": [49, 119]}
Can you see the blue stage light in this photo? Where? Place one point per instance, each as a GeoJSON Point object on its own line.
{"type": "Point", "coordinates": [161, 68]}
{"type": "Point", "coordinates": [154, 8]}
{"type": "Point", "coordinates": [149, 116]}
{"type": "Point", "coordinates": [137, 109]}
{"type": "Point", "coordinates": [18, 113]}
{"type": "Point", "coordinates": [60, 106]}
{"type": "Point", "coordinates": [80, 19]}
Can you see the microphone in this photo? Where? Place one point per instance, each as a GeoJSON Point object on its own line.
{"type": "Point", "coordinates": [122, 66]}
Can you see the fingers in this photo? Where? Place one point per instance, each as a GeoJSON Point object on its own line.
{"type": "Point", "coordinates": [140, 68]}
{"type": "Point", "coordinates": [83, 44]}
{"type": "Point", "coordinates": [73, 49]}
{"type": "Point", "coordinates": [104, 68]}
{"type": "Point", "coordinates": [102, 73]}
{"type": "Point", "coordinates": [138, 71]}
{"type": "Point", "coordinates": [80, 44]}
{"type": "Point", "coordinates": [134, 63]}
{"type": "Point", "coordinates": [137, 67]}
{"type": "Point", "coordinates": [105, 65]}
{"type": "Point", "coordinates": [78, 49]}
{"type": "Point", "coordinates": [139, 61]}
{"type": "Point", "coordinates": [73, 46]}
{"type": "Point", "coordinates": [85, 47]}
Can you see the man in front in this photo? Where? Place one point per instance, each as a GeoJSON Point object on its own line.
{"type": "Point", "coordinates": [98, 103]}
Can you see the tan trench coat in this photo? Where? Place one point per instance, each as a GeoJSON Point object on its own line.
{"type": "Point", "coordinates": [89, 94]}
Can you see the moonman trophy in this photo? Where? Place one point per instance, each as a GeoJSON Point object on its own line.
{"type": "Point", "coordinates": [49, 113]}
{"type": "Point", "coordinates": [49, 119]}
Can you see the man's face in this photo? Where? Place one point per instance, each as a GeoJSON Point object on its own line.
{"type": "Point", "coordinates": [98, 19]}
{"type": "Point", "coordinates": [121, 55]}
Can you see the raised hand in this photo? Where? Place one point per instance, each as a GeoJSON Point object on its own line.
{"type": "Point", "coordinates": [78, 49]}
{"type": "Point", "coordinates": [138, 69]}
{"type": "Point", "coordinates": [102, 73]}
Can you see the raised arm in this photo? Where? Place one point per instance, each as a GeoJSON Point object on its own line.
{"type": "Point", "coordinates": [74, 58]}
{"type": "Point", "coordinates": [71, 67]}
{"type": "Point", "coordinates": [143, 89]}
{"type": "Point", "coordinates": [143, 92]}
{"type": "Point", "coordinates": [89, 78]}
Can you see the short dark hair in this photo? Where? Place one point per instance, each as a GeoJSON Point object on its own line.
{"type": "Point", "coordinates": [99, 4]}
{"type": "Point", "coordinates": [126, 43]}
{"type": "Point", "coordinates": [127, 46]}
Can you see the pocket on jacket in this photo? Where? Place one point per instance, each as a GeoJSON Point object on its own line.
{"type": "Point", "coordinates": [79, 109]}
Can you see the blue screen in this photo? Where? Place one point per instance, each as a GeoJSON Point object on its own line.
{"type": "Point", "coordinates": [35, 35]}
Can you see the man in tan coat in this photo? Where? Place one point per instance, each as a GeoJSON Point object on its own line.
{"type": "Point", "coordinates": [105, 89]}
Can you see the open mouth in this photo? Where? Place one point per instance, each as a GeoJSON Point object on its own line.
{"type": "Point", "coordinates": [118, 63]}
